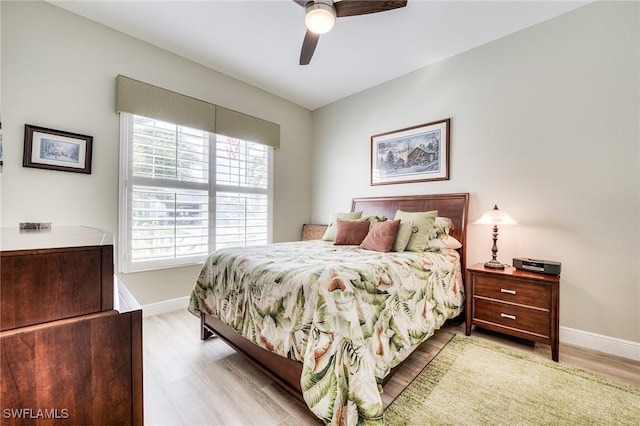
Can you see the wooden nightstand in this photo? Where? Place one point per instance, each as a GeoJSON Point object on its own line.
{"type": "Point", "coordinates": [312, 232]}
{"type": "Point", "coordinates": [518, 303]}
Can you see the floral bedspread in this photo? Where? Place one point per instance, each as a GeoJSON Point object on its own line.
{"type": "Point", "coordinates": [348, 314]}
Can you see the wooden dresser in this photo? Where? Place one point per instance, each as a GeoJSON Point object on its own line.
{"type": "Point", "coordinates": [70, 333]}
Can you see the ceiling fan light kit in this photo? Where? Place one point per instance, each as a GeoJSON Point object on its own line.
{"type": "Point", "coordinates": [320, 17]}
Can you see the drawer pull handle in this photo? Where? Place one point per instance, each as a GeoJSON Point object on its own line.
{"type": "Point", "coordinates": [511, 317]}
{"type": "Point", "coordinates": [504, 290]}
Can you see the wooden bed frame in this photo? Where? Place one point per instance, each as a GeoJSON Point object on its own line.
{"type": "Point", "coordinates": [287, 372]}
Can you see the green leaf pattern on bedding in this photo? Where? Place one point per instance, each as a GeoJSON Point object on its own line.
{"type": "Point", "coordinates": [350, 315]}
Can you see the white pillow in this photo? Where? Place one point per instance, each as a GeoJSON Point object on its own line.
{"type": "Point", "coordinates": [447, 242]}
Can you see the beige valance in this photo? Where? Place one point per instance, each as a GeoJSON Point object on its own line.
{"type": "Point", "coordinates": [137, 97]}
{"type": "Point", "coordinates": [245, 127]}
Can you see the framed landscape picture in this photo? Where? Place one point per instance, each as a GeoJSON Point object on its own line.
{"type": "Point", "coordinates": [56, 150]}
{"type": "Point", "coordinates": [415, 154]}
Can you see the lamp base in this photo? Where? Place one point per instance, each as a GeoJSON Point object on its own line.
{"type": "Point", "coordinates": [494, 264]}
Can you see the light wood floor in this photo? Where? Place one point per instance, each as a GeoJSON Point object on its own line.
{"type": "Point", "coordinates": [191, 382]}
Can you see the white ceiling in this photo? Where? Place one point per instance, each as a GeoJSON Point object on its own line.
{"type": "Point", "coordinates": [259, 41]}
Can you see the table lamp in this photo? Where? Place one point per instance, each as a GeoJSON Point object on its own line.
{"type": "Point", "coordinates": [495, 217]}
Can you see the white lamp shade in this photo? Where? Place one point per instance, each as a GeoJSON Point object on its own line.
{"type": "Point", "coordinates": [320, 18]}
{"type": "Point", "coordinates": [495, 216]}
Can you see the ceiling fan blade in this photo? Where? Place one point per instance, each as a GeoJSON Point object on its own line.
{"type": "Point", "coordinates": [363, 7]}
{"type": "Point", "coordinates": [303, 3]}
{"type": "Point", "coordinates": [308, 47]}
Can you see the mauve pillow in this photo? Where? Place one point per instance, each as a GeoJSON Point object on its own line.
{"type": "Point", "coordinates": [381, 236]}
{"type": "Point", "coordinates": [351, 232]}
{"type": "Point", "coordinates": [330, 233]}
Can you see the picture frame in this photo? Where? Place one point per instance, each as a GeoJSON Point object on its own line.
{"type": "Point", "coordinates": [56, 150]}
{"type": "Point", "coordinates": [414, 154]}
{"type": "Point", "coordinates": [1, 155]}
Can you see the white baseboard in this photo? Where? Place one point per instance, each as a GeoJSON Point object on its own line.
{"type": "Point", "coordinates": [599, 342]}
{"type": "Point", "coordinates": [165, 306]}
{"type": "Point", "coordinates": [571, 336]}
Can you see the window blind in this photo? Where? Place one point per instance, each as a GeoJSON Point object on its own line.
{"type": "Point", "coordinates": [169, 210]}
{"type": "Point", "coordinates": [147, 100]}
{"type": "Point", "coordinates": [242, 184]}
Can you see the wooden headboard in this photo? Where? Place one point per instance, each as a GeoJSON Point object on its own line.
{"type": "Point", "coordinates": [453, 206]}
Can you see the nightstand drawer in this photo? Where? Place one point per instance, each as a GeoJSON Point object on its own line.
{"type": "Point", "coordinates": [513, 291]}
{"type": "Point", "coordinates": [528, 320]}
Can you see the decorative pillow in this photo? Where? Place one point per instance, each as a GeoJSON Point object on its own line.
{"type": "Point", "coordinates": [351, 232]}
{"type": "Point", "coordinates": [381, 236]}
{"type": "Point", "coordinates": [422, 226]}
{"type": "Point", "coordinates": [404, 233]}
{"type": "Point", "coordinates": [439, 237]}
{"type": "Point", "coordinates": [375, 219]}
{"type": "Point", "coordinates": [448, 242]}
{"type": "Point", "coordinates": [441, 228]}
{"type": "Point", "coordinates": [452, 243]}
{"type": "Point", "coordinates": [330, 233]}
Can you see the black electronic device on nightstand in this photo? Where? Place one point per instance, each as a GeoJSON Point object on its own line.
{"type": "Point", "coordinates": [548, 267]}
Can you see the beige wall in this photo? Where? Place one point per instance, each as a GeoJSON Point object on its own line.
{"type": "Point", "coordinates": [58, 71]}
{"type": "Point", "coordinates": [545, 123]}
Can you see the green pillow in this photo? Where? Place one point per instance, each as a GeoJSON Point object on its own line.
{"type": "Point", "coordinates": [330, 233]}
{"type": "Point", "coordinates": [422, 226]}
{"type": "Point", "coordinates": [404, 233]}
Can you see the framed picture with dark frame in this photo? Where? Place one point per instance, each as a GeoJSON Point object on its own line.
{"type": "Point", "coordinates": [56, 150]}
{"type": "Point", "coordinates": [415, 154]}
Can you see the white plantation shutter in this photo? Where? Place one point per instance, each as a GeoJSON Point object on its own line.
{"type": "Point", "coordinates": [241, 219]}
{"type": "Point", "coordinates": [168, 223]}
{"type": "Point", "coordinates": [186, 192]}
{"type": "Point", "coordinates": [242, 187]}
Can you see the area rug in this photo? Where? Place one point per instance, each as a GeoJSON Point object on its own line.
{"type": "Point", "coordinates": [471, 382]}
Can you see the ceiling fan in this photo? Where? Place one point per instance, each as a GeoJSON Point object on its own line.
{"type": "Point", "coordinates": [320, 16]}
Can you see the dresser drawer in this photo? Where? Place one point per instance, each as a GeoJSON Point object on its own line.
{"type": "Point", "coordinates": [524, 319]}
{"type": "Point", "coordinates": [45, 285]}
{"type": "Point", "coordinates": [513, 291]}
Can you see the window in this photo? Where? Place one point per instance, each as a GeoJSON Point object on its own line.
{"type": "Point", "coordinates": [185, 192]}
